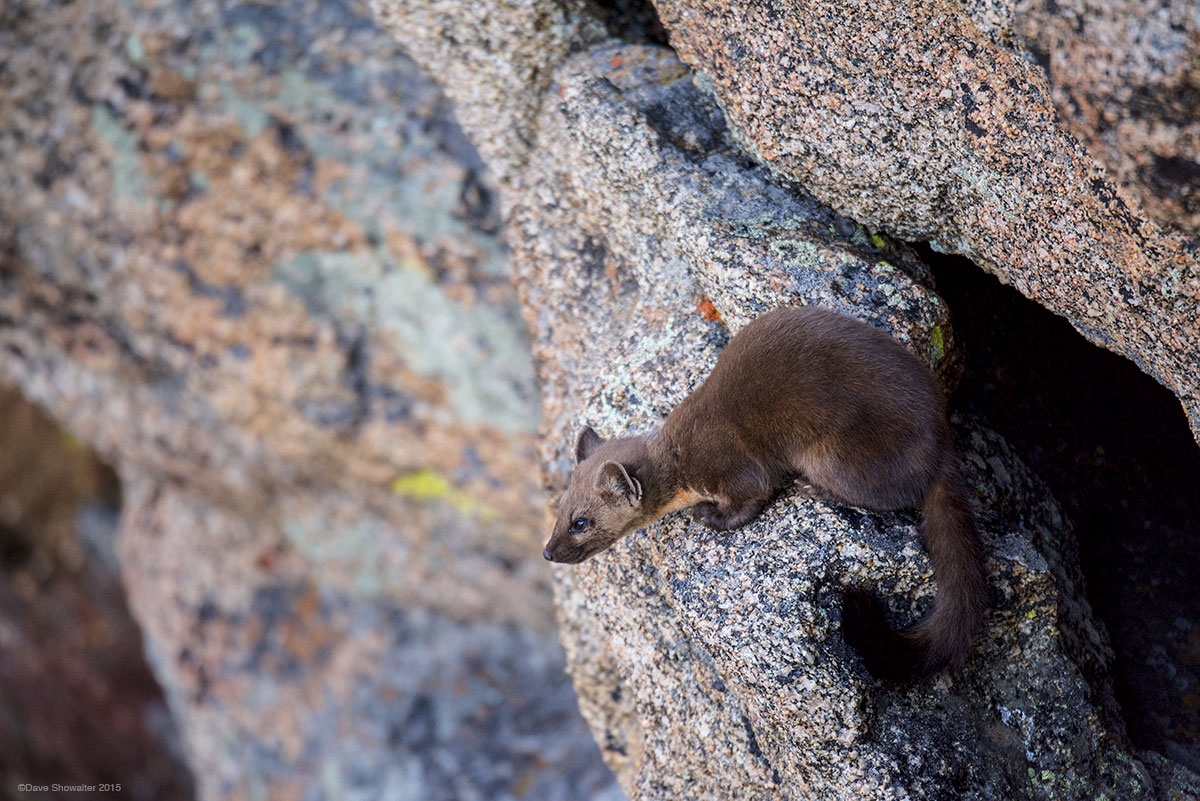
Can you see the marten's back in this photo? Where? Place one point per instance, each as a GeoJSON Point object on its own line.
{"type": "Point", "coordinates": [803, 376]}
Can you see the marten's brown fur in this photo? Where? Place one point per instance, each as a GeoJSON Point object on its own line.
{"type": "Point", "coordinates": [813, 396]}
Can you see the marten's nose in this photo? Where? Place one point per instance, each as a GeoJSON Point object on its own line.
{"type": "Point", "coordinates": [547, 556]}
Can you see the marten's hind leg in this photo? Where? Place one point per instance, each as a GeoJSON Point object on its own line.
{"type": "Point", "coordinates": [894, 481]}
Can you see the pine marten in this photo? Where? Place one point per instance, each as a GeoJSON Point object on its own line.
{"type": "Point", "coordinates": [811, 396]}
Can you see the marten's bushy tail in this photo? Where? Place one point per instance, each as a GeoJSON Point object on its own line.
{"type": "Point", "coordinates": [941, 639]}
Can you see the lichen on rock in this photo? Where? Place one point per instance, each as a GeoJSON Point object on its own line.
{"type": "Point", "coordinates": [242, 247]}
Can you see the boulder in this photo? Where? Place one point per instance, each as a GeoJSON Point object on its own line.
{"type": "Point", "coordinates": [250, 262]}
{"type": "Point", "coordinates": [249, 256]}
{"type": "Point", "coordinates": [1124, 78]}
{"type": "Point", "coordinates": [912, 119]}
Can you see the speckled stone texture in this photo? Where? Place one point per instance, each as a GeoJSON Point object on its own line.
{"type": "Point", "coordinates": [699, 210]}
{"type": "Point", "coordinates": [1125, 78]}
{"type": "Point", "coordinates": [495, 60]}
{"type": "Point", "coordinates": [281, 263]}
{"type": "Point", "coordinates": [292, 688]}
{"type": "Point", "coordinates": [711, 665]}
{"type": "Point", "coordinates": [909, 118]}
{"type": "Point", "coordinates": [247, 254]}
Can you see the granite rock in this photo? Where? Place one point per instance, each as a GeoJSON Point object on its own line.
{"type": "Point", "coordinates": [711, 665]}
{"type": "Point", "coordinates": [293, 688]}
{"type": "Point", "coordinates": [248, 255]}
{"type": "Point", "coordinates": [495, 62]}
{"type": "Point", "coordinates": [1125, 79]}
{"type": "Point", "coordinates": [659, 150]}
{"type": "Point", "coordinates": [913, 119]}
{"type": "Point", "coordinates": [273, 249]}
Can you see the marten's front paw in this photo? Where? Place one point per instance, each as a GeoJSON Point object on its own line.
{"type": "Point", "coordinates": [706, 513]}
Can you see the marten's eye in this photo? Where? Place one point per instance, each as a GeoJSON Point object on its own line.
{"type": "Point", "coordinates": [578, 525]}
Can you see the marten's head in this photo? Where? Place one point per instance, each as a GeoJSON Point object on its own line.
{"type": "Point", "coordinates": [604, 501]}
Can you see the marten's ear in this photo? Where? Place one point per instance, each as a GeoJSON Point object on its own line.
{"type": "Point", "coordinates": [614, 480]}
{"type": "Point", "coordinates": [587, 441]}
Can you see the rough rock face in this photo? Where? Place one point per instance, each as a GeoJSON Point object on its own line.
{"type": "Point", "coordinates": [711, 666]}
{"type": "Point", "coordinates": [248, 256]}
{"type": "Point", "coordinates": [502, 59]}
{"type": "Point", "coordinates": [1125, 77]}
{"type": "Point", "coordinates": [758, 245]}
{"type": "Point", "coordinates": [247, 253]}
{"type": "Point", "coordinates": [239, 233]}
{"type": "Point", "coordinates": [292, 687]}
{"type": "Point", "coordinates": [909, 118]}
{"type": "Point", "coordinates": [679, 638]}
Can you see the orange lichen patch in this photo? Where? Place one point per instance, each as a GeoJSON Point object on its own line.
{"type": "Point", "coordinates": [707, 310]}
{"type": "Point", "coordinates": [615, 63]}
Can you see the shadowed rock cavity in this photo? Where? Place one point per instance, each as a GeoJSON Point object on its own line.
{"type": "Point", "coordinates": [80, 705]}
{"type": "Point", "coordinates": [632, 21]}
{"type": "Point", "coordinates": [1115, 449]}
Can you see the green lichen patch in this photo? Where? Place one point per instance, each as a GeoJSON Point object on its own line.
{"type": "Point", "coordinates": [937, 338]}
